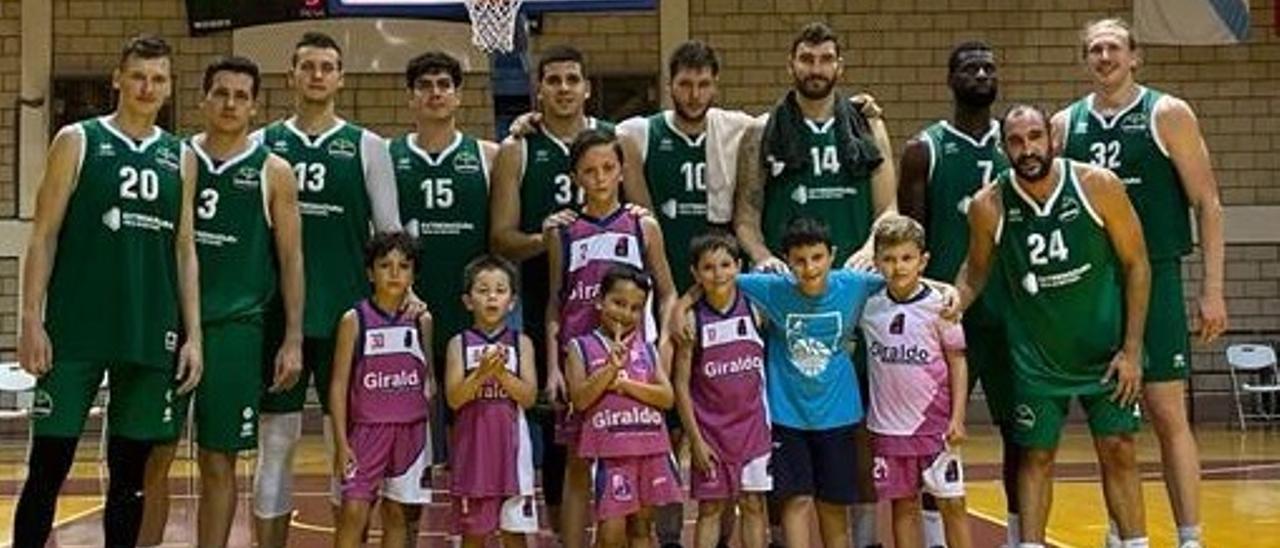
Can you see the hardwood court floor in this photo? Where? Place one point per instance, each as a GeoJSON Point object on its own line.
{"type": "Point", "coordinates": [1240, 500]}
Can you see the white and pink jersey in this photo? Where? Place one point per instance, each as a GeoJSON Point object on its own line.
{"type": "Point", "coordinates": [910, 387]}
{"type": "Point", "coordinates": [491, 452]}
{"type": "Point", "coordinates": [727, 382]}
{"type": "Point", "coordinates": [389, 369]}
{"type": "Point", "coordinates": [617, 425]}
{"type": "Point", "coordinates": [591, 247]}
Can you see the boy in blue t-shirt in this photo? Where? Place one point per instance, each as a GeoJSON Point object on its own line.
{"type": "Point", "coordinates": [813, 394]}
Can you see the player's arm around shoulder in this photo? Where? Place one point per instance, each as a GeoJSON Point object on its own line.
{"type": "Point", "coordinates": [504, 204]}
{"type": "Point", "coordinates": [913, 178]}
{"type": "Point", "coordinates": [985, 214]}
{"type": "Point", "coordinates": [748, 198]}
{"type": "Point", "coordinates": [1058, 130]}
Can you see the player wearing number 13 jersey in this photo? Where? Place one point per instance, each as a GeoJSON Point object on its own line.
{"type": "Point", "coordinates": [345, 190]}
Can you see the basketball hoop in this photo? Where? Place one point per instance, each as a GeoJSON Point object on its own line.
{"type": "Point", "coordinates": [493, 24]}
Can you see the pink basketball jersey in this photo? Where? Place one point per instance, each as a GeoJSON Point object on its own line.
{"type": "Point", "coordinates": [618, 425]}
{"type": "Point", "coordinates": [389, 369]}
{"type": "Point", "coordinates": [906, 345]}
{"type": "Point", "coordinates": [726, 383]}
{"type": "Point", "coordinates": [490, 449]}
{"type": "Point", "coordinates": [590, 248]}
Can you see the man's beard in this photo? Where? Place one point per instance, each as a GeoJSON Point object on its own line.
{"type": "Point", "coordinates": [1032, 172]}
{"type": "Point", "coordinates": [686, 116]}
{"type": "Point", "coordinates": [973, 98]}
{"type": "Point", "coordinates": [802, 86]}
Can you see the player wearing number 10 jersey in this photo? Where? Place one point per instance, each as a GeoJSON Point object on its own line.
{"type": "Point", "coordinates": [345, 185]}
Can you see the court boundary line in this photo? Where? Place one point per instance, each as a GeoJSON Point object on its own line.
{"type": "Point", "coordinates": [98, 507]}
{"type": "Point", "coordinates": [1002, 523]}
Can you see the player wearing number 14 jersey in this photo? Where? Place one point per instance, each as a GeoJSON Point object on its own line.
{"type": "Point", "coordinates": [345, 186]}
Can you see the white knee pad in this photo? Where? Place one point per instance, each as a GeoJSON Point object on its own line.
{"type": "Point", "coordinates": [278, 435]}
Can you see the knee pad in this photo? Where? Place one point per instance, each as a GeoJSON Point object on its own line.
{"type": "Point", "coordinates": [278, 436]}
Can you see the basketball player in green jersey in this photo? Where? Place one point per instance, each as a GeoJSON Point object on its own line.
{"type": "Point", "coordinates": [442, 179]}
{"type": "Point", "coordinates": [1152, 141]}
{"type": "Point", "coordinates": [823, 180]}
{"type": "Point", "coordinates": [531, 181]}
{"type": "Point", "coordinates": [110, 275]}
{"type": "Point", "coordinates": [345, 186]}
{"type": "Point", "coordinates": [1066, 240]}
{"type": "Point", "coordinates": [942, 168]}
{"type": "Point", "coordinates": [850, 197]}
{"type": "Point", "coordinates": [246, 224]}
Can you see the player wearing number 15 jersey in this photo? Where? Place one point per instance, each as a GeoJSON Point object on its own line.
{"type": "Point", "coordinates": [109, 267]}
{"type": "Point", "coordinates": [345, 188]}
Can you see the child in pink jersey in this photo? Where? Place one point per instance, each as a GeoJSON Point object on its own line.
{"type": "Point", "coordinates": [919, 385]}
{"type": "Point", "coordinates": [719, 382]}
{"type": "Point", "coordinates": [379, 398]}
{"type": "Point", "coordinates": [616, 380]}
{"type": "Point", "coordinates": [489, 381]}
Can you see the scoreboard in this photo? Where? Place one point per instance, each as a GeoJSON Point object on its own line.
{"type": "Point", "coordinates": [206, 16]}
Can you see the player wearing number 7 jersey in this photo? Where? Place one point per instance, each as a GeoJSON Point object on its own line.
{"type": "Point", "coordinates": [345, 185]}
{"type": "Point", "coordinates": [1152, 141]}
{"type": "Point", "coordinates": [110, 265]}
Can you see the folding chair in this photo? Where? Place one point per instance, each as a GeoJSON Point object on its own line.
{"type": "Point", "coordinates": [1259, 361]}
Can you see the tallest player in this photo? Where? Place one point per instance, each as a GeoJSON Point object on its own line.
{"type": "Point", "coordinates": [1152, 141]}
{"type": "Point", "coordinates": [345, 184]}
{"type": "Point", "coordinates": [112, 235]}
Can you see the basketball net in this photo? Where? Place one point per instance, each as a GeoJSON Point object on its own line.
{"type": "Point", "coordinates": [493, 24]}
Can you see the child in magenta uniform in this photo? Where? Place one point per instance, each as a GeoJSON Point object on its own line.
{"type": "Point", "coordinates": [604, 235]}
{"type": "Point", "coordinates": [489, 381]}
{"type": "Point", "coordinates": [379, 395]}
{"type": "Point", "coordinates": [615, 378]}
{"type": "Point", "coordinates": [919, 381]}
{"type": "Point", "coordinates": [719, 382]}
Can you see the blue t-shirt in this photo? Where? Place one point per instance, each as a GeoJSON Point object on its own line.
{"type": "Point", "coordinates": [809, 375]}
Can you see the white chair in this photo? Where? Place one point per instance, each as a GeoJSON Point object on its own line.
{"type": "Point", "coordinates": [1259, 361]}
{"type": "Point", "coordinates": [18, 384]}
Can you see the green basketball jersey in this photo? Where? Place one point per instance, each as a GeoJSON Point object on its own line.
{"type": "Point", "coordinates": [959, 166]}
{"type": "Point", "coordinates": [233, 236]}
{"type": "Point", "coordinates": [675, 167]}
{"type": "Point", "coordinates": [546, 183]}
{"type": "Point", "coordinates": [335, 214]}
{"type": "Point", "coordinates": [444, 202]}
{"type": "Point", "coordinates": [1067, 305]}
{"type": "Point", "coordinates": [113, 293]}
{"type": "Point", "coordinates": [828, 193]}
{"type": "Point", "coordinates": [1127, 144]}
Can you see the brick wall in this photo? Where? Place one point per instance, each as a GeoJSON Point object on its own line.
{"type": "Point", "coordinates": [10, 84]}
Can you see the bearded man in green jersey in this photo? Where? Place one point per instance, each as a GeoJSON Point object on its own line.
{"type": "Point", "coordinates": [942, 168]}
{"type": "Point", "coordinates": [1152, 141]}
{"type": "Point", "coordinates": [112, 235]}
{"type": "Point", "coordinates": [1064, 238]}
